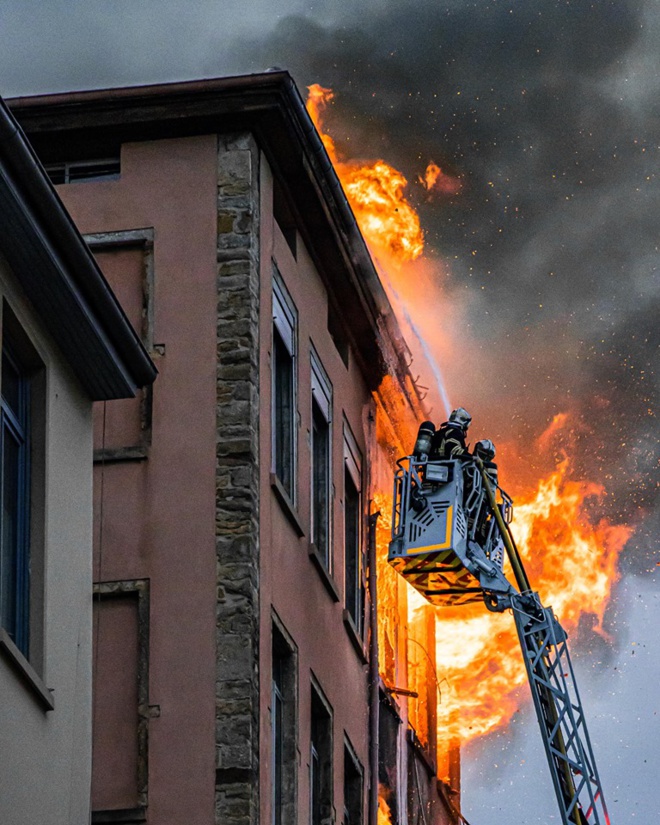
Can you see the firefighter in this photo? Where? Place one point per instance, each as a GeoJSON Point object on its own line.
{"type": "Point", "coordinates": [485, 451]}
{"type": "Point", "coordinates": [449, 441]}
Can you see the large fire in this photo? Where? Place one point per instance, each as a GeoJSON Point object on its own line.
{"type": "Point", "coordinates": [573, 565]}
{"type": "Point", "coordinates": [375, 191]}
{"type": "Point", "coordinates": [571, 561]}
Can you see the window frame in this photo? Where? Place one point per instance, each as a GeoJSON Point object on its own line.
{"type": "Point", "coordinates": [84, 171]}
{"type": "Point", "coordinates": [353, 470]}
{"type": "Point", "coordinates": [284, 342]}
{"type": "Point", "coordinates": [15, 423]}
{"type": "Point", "coordinates": [284, 651]}
{"type": "Point", "coordinates": [321, 752]}
{"type": "Point", "coordinates": [26, 655]}
{"type": "Point", "coordinates": [353, 772]}
{"type": "Point", "coordinates": [321, 420]}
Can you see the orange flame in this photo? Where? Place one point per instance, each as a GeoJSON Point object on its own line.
{"type": "Point", "coordinates": [317, 100]}
{"type": "Point", "coordinates": [557, 424]}
{"type": "Point", "coordinates": [573, 565]}
{"type": "Point", "coordinates": [375, 192]}
{"type": "Point", "coordinates": [384, 815]}
{"type": "Point", "coordinates": [435, 180]}
{"type": "Point", "coordinates": [571, 561]}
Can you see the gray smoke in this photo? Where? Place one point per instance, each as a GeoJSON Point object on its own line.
{"type": "Point", "coordinates": [548, 112]}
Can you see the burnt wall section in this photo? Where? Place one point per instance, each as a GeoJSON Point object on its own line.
{"type": "Point", "coordinates": [237, 482]}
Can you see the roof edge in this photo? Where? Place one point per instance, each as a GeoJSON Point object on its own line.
{"type": "Point", "coordinates": [87, 288]}
{"type": "Point", "coordinates": [270, 90]}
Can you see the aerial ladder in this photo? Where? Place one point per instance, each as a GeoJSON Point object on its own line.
{"type": "Point", "coordinates": [450, 533]}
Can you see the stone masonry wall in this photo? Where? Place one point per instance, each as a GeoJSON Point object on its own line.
{"type": "Point", "coordinates": [237, 483]}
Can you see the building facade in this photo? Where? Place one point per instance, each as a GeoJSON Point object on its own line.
{"type": "Point", "coordinates": [65, 343]}
{"type": "Point", "coordinates": [235, 656]}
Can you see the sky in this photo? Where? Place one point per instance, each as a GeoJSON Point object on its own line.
{"type": "Point", "coordinates": [548, 113]}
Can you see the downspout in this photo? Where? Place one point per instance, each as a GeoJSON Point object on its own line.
{"type": "Point", "coordinates": [374, 675]}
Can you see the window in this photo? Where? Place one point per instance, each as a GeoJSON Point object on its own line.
{"type": "Point", "coordinates": [320, 763]}
{"type": "Point", "coordinates": [354, 585]}
{"type": "Point", "coordinates": [14, 492]}
{"type": "Point", "coordinates": [284, 387]}
{"type": "Point", "coordinates": [283, 715]}
{"type": "Point", "coordinates": [22, 433]}
{"type": "Point", "coordinates": [352, 787]}
{"type": "Point", "coordinates": [83, 170]}
{"type": "Point", "coordinates": [321, 449]}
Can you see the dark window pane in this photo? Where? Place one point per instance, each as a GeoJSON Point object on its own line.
{"type": "Point", "coordinates": [352, 790]}
{"type": "Point", "coordinates": [11, 383]}
{"type": "Point", "coordinates": [278, 755]}
{"type": "Point", "coordinates": [284, 743]}
{"type": "Point", "coordinates": [283, 413]}
{"type": "Point", "coordinates": [95, 170]}
{"type": "Point", "coordinates": [320, 480]}
{"type": "Point", "coordinates": [352, 549]}
{"type": "Point", "coordinates": [10, 560]}
{"type": "Point", "coordinates": [320, 762]}
{"type": "Point", "coordinates": [316, 787]}
{"type": "Point", "coordinates": [14, 585]}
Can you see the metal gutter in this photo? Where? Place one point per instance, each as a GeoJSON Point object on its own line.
{"type": "Point", "coordinates": [93, 316]}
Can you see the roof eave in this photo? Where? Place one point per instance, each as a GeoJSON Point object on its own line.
{"type": "Point", "coordinates": [60, 277]}
{"type": "Point", "coordinates": [271, 106]}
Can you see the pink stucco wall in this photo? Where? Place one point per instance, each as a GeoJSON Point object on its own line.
{"type": "Point", "coordinates": [159, 514]}
{"type": "Point", "coordinates": [290, 581]}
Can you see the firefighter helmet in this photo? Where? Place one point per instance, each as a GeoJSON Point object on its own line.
{"type": "Point", "coordinates": [485, 449]}
{"type": "Point", "coordinates": [461, 417]}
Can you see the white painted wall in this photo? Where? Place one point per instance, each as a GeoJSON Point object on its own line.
{"type": "Point", "coordinates": [45, 757]}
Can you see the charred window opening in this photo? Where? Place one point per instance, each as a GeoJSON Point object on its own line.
{"type": "Point", "coordinates": [320, 761]}
{"type": "Point", "coordinates": [283, 716]}
{"type": "Point", "coordinates": [388, 756]}
{"type": "Point", "coordinates": [321, 459]}
{"type": "Point", "coordinates": [420, 780]}
{"type": "Point", "coordinates": [284, 217]}
{"type": "Point", "coordinates": [284, 387]}
{"type": "Point", "coordinates": [352, 787]}
{"type": "Point", "coordinates": [353, 563]}
{"type": "Point", "coordinates": [84, 170]}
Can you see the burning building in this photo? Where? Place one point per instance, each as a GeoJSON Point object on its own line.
{"type": "Point", "coordinates": [572, 555]}
{"type": "Point", "coordinates": [239, 672]}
